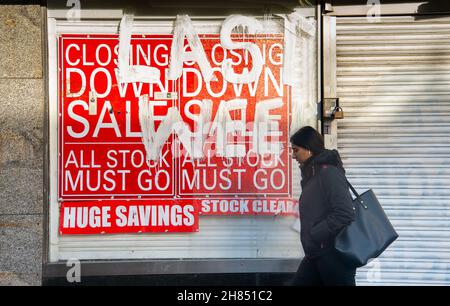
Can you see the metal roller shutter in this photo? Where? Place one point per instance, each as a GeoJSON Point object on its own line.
{"type": "Point", "coordinates": [393, 82]}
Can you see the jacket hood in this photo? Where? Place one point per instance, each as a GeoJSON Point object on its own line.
{"type": "Point", "coordinates": [327, 157]}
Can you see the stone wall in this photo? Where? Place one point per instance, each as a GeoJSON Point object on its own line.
{"type": "Point", "coordinates": [21, 144]}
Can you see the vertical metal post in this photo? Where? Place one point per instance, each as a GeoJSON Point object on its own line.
{"type": "Point", "coordinates": [45, 165]}
{"type": "Point", "coordinates": [319, 65]}
{"type": "Point", "coordinates": [329, 76]}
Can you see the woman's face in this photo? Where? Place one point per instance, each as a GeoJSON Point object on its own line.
{"type": "Point", "coordinates": [300, 154]}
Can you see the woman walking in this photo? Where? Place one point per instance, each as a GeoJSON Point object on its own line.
{"type": "Point", "coordinates": [325, 209]}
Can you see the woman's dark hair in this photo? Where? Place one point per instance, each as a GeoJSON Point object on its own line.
{"type": "Point", "coordinates": [308, 138]}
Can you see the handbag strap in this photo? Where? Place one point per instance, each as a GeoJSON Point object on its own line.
{"type": "Point", "coordinates": [357, 195]}
{"type": "Point", "coordinates": [353, 189]}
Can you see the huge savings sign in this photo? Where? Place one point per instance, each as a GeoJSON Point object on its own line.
{"type": "Point", "coordinates": [155, 130]}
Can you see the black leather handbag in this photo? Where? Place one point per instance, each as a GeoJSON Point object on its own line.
{"type": "Point", "coordinates": [369, 234]}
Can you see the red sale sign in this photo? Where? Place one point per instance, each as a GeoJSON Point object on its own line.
{"type": "Point", "coordinates": [128, 217]}
{"type": "Point", "coordinates": [249, 206]}
{"type": "Point", "coordinates": [250, 173]}
{"type": "Point", "coordinates": [101, 152]}
{"type": "Point", "coordinates": [111, 131]}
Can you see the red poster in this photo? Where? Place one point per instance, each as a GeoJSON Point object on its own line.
{"type": "Point", "coordinates": [102, 155]}
{"type": "Point", "coordinates": [249, 206]}
{"type": "Point", "coordinates": [101, 151]}
{"type": "Point", "coordinates": [110, 217]}
{"type": "Point", "coordinates": [253, 173]}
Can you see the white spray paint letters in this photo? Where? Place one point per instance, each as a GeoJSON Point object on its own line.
{"type": "Point", "coordinates": [293, 23]}
{"type": "Point", "coordinates": [135, 73]}
{"type": "Point", "coordinates": [172, 122]}
{"type": "Point", "coordinates": [178, 55]}
{"type": "Point", "coordinates": [253, 27]}
{"type": "Point", "coordinates": [222, 125]}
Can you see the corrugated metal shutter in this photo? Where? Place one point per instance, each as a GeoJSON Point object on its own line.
{"type": "Point", "coordinates": [219, 237]}
{"type": "Point", "coordinates": [393, 80]}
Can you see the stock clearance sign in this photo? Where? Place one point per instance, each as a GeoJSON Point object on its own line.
{"type": "Point", "coordinates": [153, 156]}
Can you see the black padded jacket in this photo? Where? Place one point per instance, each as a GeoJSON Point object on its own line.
{"type": "Point", "coordinates": [325, 203]}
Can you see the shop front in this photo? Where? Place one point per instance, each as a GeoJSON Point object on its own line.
{"type": "Point", "coordinates": [169, 138]}
{"type": "Point", "coordinates": [169, 124]}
